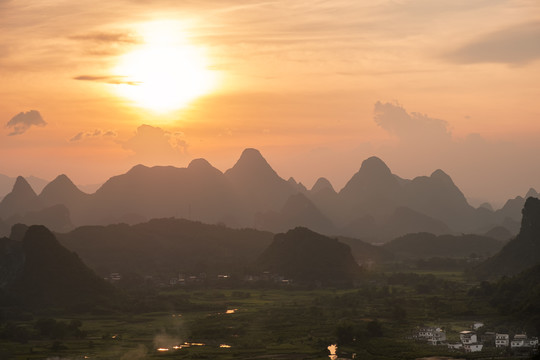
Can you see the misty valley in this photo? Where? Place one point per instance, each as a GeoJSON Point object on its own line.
{"type": "Point", "coordinates": [195, 263]}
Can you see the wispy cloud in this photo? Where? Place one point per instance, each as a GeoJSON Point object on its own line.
{"type": "Point", "coordinates": [108, 79]}
{"type": "Point", "coordinates": [109, 37]}
{"type": "Point", "coordinates": [97, 133]}
{"type": "Point", "coordinates": [514, 45]}
{"type": "Point", "coordinates": [23, 121]}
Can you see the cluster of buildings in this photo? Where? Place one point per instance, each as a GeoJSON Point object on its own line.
{"type": "Point", "coordinates": [470, 341]}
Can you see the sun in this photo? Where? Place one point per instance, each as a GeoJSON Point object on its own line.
{"type": "Point", "coordinates": [165, 72]}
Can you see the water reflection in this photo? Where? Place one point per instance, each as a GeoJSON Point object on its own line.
{"type": "Point", "coordinates": [332, 348]}
{"type": "Point", "coordinates": [178, 347]}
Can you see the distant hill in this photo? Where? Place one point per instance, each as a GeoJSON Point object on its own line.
{"type": "Point", "coordinates": [305, 256]}
{"type": "Point", "coordinates": [297, 211]}
{"type": "Point", "coordinates": [425, 245]}
{"type": "Point", "coordinates": [401, 221]}
{"type": "Point", "coordinates": [372, 190]}
{"type": "Point", "coordinates": [166, 246]}
{"type": "Point", "coordinates": [366, 253]}
{"type": "Point", "coordinates": [22, 205]}
{"type": "Point", "coordinates": [63, 191]}
{"type": "Point", "coordinates": [20, 200]}
{"type": "Point", "coordinates": [7, 182]}
{"type": "Point", "coordinates": [512, 208]}
{"type": "Point", "coordinates": [258, 187]}
{"type": "Point", "coordinates": [49, 275]}
{"type": "Point", "coordinates": [521, 252]}
{"type": "Point", "coordinates": [499, 233]}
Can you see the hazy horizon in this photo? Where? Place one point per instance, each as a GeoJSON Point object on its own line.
{"type": "Point", "coordinates": [316, 87]}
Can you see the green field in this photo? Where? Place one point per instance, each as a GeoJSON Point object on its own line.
{"type": "Point", "coordinates": [375, 320]}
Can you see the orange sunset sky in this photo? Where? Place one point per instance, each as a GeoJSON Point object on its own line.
{"type": "Point", "coordinates": [91, 88]}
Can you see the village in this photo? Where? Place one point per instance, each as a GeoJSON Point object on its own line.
{"type": "Point", "coordinates": [475, 341]}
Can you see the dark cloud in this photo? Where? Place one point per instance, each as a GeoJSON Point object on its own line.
{"type": "Point", "coordinates": [153, 145]}
{"type": "Point", "coordinates": [514, 45]}
{"type": "Point", "coordinates": [106, 79]}
{"type": "Point", "coordinates": [23, 121]}
{"type": "Point", "coordinates": [409, 126]}
{"type": "Point", "coordinates": [97, 133]}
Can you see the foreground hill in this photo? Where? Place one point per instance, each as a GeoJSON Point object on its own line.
{"type": "Point", "coordinates": [305, 256]}
{"type": "Point", "coordinates": [42, 273]}
{"type": "Point", "coordinates": [166, 246]}
{"type": "Point", "coordinates": [520, 253]}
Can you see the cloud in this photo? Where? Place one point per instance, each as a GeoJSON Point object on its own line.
{"type": "Point", "coordinates": [109, 37]}
{"type": "Point", "coordinates": [21, 122]}
{"type": "Point", "coordinates": [479, 166]}
{"type": "Point", "coordinates": [153, 145]}
{"type": "Point", "coordinates": [108, 79]}
{"type": "Point", "coordinates": [107, 43]}
{"type": "Point", "coordinates": [93, 134]}
{"type": "Point", "coordinates": [514, 45]}
{"type": "Point", "coordinates": [409, 126]}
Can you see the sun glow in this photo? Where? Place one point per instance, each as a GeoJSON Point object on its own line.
{"type": "Point", "coordinates": [165, 72]}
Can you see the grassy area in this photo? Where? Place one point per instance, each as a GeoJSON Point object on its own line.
{"type": "Point", "coordinates": [375, 321]}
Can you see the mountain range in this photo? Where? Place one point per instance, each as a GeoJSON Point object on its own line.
{"type": "Point", "coordinates": [375, 204]}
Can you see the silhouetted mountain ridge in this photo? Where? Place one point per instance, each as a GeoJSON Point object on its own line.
{"type": "Point", "coordinates": [521, 252]}
{"type": "Point", "coordinates": [305, 256]}
{"type": "Point", "coordinates": [51, 276]}
{"type": "Point", "coordinates": [375, 204]}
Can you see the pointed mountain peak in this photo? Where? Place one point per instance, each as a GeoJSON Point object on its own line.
{"type": "Point", "coordinates": [441, 175]}
{"type": "Point", "coordinates": [202, 165]}
{"type": "Point", "coordinates": [251, 158]}
{"type": "Point", "coordinates": [251, 153]}
{"type": "Point", "coordinates": [321, 184]}
{"type": "Point", "coordinates": [62, 180]}
{"type": "Point", "coordinates": [374, 165]}
{"type": "Point", "coordinates": [199, 164]}
{"type": "Point", "coordinates": [531, 193]}
{"type": "Point", "coordinates": [251, 161]}
{"type": "Point", "coordinates": [486, 206]}
{"type": "Point", "coordinates": [22, 187]}
{"type": "Point", "coordinates": [292, 181]}
{"type": "Point", "coordinates": [60, 185]}
{"type": "Point", "coordinates": [137, 168]}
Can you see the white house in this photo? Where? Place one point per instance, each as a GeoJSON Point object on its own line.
{"type": "Point", "coordinates": [502, 340]}
{"type": "Point", "coordinates": [521, 340]}
{"type": "Point", "coordinates": [456, 346]}
{"type": "Point", "coordinates": [468, 337]}
{"type": "Point", "coordinates": [434, 336]}
{"type": "Point", "coordinates": [425, 332]}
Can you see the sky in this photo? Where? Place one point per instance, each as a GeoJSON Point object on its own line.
{"type": "Point", "coordinates": [90, 89]}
